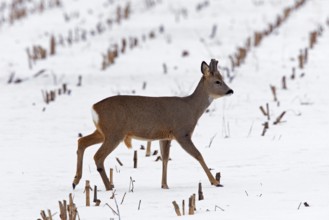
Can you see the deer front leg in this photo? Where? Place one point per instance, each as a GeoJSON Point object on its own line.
{"type": "Point", "coordinates": [107, 147]}
{"type": "Point", "coordinates": [189, 147]}
{"type": "Point", "coordinates": [165, 150]}
{"type": "Point", "coordinates": [83, 143]}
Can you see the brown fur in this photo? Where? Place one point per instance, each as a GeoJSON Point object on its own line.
{"type": "Point", "coordinates": [121, 118]}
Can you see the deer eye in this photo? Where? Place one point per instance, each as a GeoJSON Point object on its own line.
{"type": "Point", "coordinates": [218, 82]}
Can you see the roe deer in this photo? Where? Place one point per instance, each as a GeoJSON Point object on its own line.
{"type": "Point", "coordinates": [121, 118]}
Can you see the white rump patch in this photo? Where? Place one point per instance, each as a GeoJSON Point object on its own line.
{"type": "Point", "coordinates": [95, 116]}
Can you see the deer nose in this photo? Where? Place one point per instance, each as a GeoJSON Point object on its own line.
{"type": "Point", "coordinates": [229, 92]}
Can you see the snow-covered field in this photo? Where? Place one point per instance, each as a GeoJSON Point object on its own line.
{"type": "Point", "coordinates": [264, 177]}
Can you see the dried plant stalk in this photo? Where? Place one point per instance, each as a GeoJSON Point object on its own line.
{"type": "Point", "coordinates": [123, 198]}
{"type": "Point", "coordinates": [273, 89]}
{"type": "Point", "coordinates": [118, 160]}
{"type": "Point", "coordinates": [111, 179]}
{"type": "Point", "coordinates": [50, 217]}
{"type": "Point", "coordinates": [148, 149]}
{"type": "Point", "coordinates": [194, 201]}
{"type": "Point", "coordinates": [278, 120]}
{"type": "Point", "coordinates": [135, 159]}
{"type": "Point", "coordinates": [265, 128]}
{"type": "Point", "coordinates": [293, 74]}
{"type": "Point", "coordinates": [62, 210]}
{"type": "Point", "coordinates": [301, 60]}
{"type": "Point", "coordinates": [263, 110]}
{"type": "Point", "coordinates": [284, 83]}
{"type": "Point", "coordinates": [200, 193]}
{"type": "Point", "coordinates": [139, 204]}
{"type": "Point", "coordinates": [87, 191]}
{"type": "Point", "coordinates": [43, 215]}
{"type": "Point", "coordinates": [217, 177]}
{"type": "Point", "coordinates": [190, 206]}
{"type": "Point", "coordinates": [176, 208]}
{"type": "Point", "coordinates": [52, 45]}
{"type": "Point", "coordinates": [96, 200]}
{"type": "Point", "coordinates": [268, 111]}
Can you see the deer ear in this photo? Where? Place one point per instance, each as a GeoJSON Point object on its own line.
{"type": "Point", "coordinates": [205, 68]}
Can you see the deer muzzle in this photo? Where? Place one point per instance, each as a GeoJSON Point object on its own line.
{"type": "Point", "coordinates": [229, 92]}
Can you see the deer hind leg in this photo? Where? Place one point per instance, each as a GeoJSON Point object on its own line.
{"type": "Point", "coordinates": [165, 150]}
{"type": "Point", "coordinates": [109, 144]}
{"type": "Point", "coordinates": [83, 143]}
{"type": "Point", "coordinates": [189, 147]}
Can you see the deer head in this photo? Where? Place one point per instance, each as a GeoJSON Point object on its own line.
{"type": "Point", "coordinates": [213, 80]}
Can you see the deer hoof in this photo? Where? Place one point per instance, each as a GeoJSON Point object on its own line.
{"type": "Point", "coordinates": [165, 186]}
{"type": "Point", "coordinates": [75, 182]}
{"type": "Point", "coordinates": [217, 184]}
{"type": "Point", "coordinates": [109, 187]}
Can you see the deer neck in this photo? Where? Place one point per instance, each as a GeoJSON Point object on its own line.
{"type": "Point", "coordinates": [200, 99]}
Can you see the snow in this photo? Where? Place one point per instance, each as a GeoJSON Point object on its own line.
{"type": "Point", "coordinates": [94, 116]}
{"type": "Point", "coordinates": [264, 177]}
